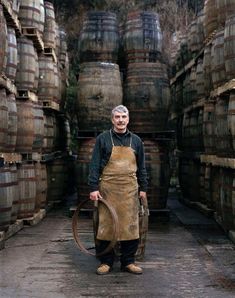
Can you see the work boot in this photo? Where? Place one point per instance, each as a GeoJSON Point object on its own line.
{"type": "Point", "coordinates": [132, 268]}
{"type": "Point", "coordinates": [103, 269]}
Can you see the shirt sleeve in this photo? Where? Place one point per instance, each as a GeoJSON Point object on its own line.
{"type": "Point", "coordinates": [141, 169]}
{"type": "Point", "coordinates": [95, 166]}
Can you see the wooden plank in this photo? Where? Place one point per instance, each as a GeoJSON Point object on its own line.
{"type": "Point", "coordinates": [50, 52]}
{"type": "Point", "coordinates": [14, 228]}
{"type": "Point", "coordinates": [34, 220]}
{"type": "Point", "coordinates": [50, 104]}
{"type": "Point", "coordinates": [214, 160]}
{"type": "Point", "coordinates": [34, 35]}
{"type": "Point", "coordinates": [227, 87]}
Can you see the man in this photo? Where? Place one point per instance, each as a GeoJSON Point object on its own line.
{"type": "Point", "coordinates": [118, 175]}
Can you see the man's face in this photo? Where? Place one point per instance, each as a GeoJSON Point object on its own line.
{"type": "Point", "coordinates": [120, 121]}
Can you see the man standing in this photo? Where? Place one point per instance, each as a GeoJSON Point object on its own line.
{"type": "Point", "coordinates": [118, 175]}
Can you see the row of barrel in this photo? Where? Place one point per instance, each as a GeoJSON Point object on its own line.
{"type": "Point", "coordinates": [28, 187]}
{"type": "Point", "coordinates": [26, 127]}
{"type": "Point", "coordinates": [209, 128]}
{"type": "Point", "coordinates": [211, 186]}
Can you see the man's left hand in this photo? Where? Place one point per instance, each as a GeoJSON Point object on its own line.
{"type": "Point", "coordinates": [143, 197]}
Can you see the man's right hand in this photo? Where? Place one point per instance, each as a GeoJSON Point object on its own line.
{"type": "Point", "coordinates": [95, 195]}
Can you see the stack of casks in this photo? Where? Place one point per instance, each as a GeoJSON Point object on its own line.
{"type": "Point", "coordinates": [208, 128]}
{"type": "Point", "coordinates": [146, 91]}
{"type": "Point", "coordinates": [26, 129]}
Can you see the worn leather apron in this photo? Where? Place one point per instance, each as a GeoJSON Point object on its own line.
{"type": "Point", "coordinates": [119, 186]}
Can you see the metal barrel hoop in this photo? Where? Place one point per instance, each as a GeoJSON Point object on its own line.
{"type": "Point", "coordinates": [115, 228]}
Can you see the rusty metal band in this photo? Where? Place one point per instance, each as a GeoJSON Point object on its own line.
{"type": "Point", "coordinates": [115, 228]}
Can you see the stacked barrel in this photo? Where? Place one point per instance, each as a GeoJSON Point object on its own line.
{"type": "Point", "coordinates": [32, 56]}
{"type": "Point", "coordinates": [204, 97]}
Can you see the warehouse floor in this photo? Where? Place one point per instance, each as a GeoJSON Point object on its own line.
{"type": "Point", "coordinates": [187, 256]}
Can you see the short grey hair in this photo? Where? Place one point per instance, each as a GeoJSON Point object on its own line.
{"type": "Point", "coordinates": [120, 109]}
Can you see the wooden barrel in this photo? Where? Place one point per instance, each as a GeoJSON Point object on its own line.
{"type": "Point", "coordinates": [186, 131]}
{"type": "Point", "coordinates": [208, 185]}
{"type": "Point", "coordinates": [29, 13]}
{"type": "Point", "coordinates": [3, 120]}
{"type": "Point", "coordinates": [200, 79]}
{"type": "Point", "coordinates": [143, 37]}
{"type": "Point", "coordinates": [6, 197]}
{"type": "Point", "coordinates": [25, 125]}
{"type": "Point", "coordinates": [49, 133]}
{"type": "Point", "coordinates": [209, 138]}
{"type": "Point", "coordinates": [15, 192]}
{"type": "Point", "coordinates": [202, 196]}
{"type": "Point", "coordinates": [12, 124]}
{"type": "Point", "coordinates": [63, 47]}
{"type": "Point", "coordinates": [223, 135]}
{"type": "Point", "coordinates": [158, 169]}
{"type": "Point", "coordinates": [200, 28]}
{"type": "Point", "coordinates": [229, 47]}
{"type": "Point", "coordinates": [207, 70]}
{"type": "Point", "coordinates": [210, 22]}
{"type": "Point", "coordinates": [57, 90]}
{"type": "Point", "coordinates": [27, 190]}
{"type": "Point", "coordinates": [99, 91]}
{"type": "Point", "coordinates": [41, 18]}
{"type": "Point", "coordinates": [16, 6]}
{"type": "Point", "coordinates": [36, 79]}
{"type": "Point", "coordinates": [99, 37]}
{"type": "Point", "coordinates": [12, 54]}
{"type": "Point", "coordinates": [41, 186]}
{"type": "Point", "coordinates": [226, 8]}
{"type": "Point", "coordinates": [57, 40]}
{"type": "Point", "coordinates": [192, 84]}
{"type": "Point", "coordinates": [200, 140]}
{"type": "Point", "coordinates": [57, 178]}
{"type": "Point", "coordinates": [49, 34]}
{"type": "Point", "coordinates": [147, 94]}
{"type": "Point", "coordinates": [184, 170]}
{"type": "Point", "coordinates": [85, 149]}
{"type": "Point", "coordinates": [218, 62]}
{"type": "Point", "coordinates": [46, 84]}
{"type": "Point", "coordinates": [179, 90]}
{"type": "Point", "coordinates": [215, 190]}
{"type": "Point", "coordinates": [38, 119]}
{"type": "Point", "coordinates": [186, 91]}
{"type": "Point", "coordinates": [3, 41]}
{"type": "Point", "coordinates": [231, 118]}
{"type": "Point", "coordinates": [26, 68]}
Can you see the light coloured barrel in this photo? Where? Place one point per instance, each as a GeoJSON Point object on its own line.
{"type": "Point", "coordinates": [57, 90]}
{"type": "Point", "coordinates": [27, 190]}
{"type": "Point", "coordinates": [231, 119]}
{"type": "Point", "coordinates": [49, 133]}
{"type": "Point", "coordinates": [16, 6]}
{"type": "Point", "coordinates": [63, 47]}
{"type": "Point", "coordinates": [6, 198]}
{"type": "Point", "coordinates": [229, 47]}
{"type": "Point", "coordinates": [46, 84]}
{"type": "Point", "coordinates": [147, 94]}
{"type": "Point", "coordinates": [3, 120]}
{"type": "Point", "coordinates": [12, 123]}
{"type": "Point", "coordinates": [36, 79]}
{"type": "Point", "coordinates": [3, 41]}
{"type": "Point", "coordinates": [38, 119]}
{"type": "Point", "coordinates": [49, 34]}
{"type": "Point", "coordinates": [29, 13]}
{"type": "Point", "coordinates": [26, 68]}
{"type": "Point", "coordinates": [57, 40]}
{"type": "Point", "coordinates": [210, 22]}
{"type": "Point", "coordinates": [99, 90]}
{"type": "Point", "coordinates": [12, 54]}
{"type": "Point", "coordinates": [25, 124]}
{"type": "Point", "coordinates": [41, 18]}
{"type": "Point", "coordinates": [209, 137]}
{"type": "Point", "coordinates": [15, 192]}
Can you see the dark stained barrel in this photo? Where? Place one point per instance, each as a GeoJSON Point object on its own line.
{"type": "Point", "coordinates": [25, 125]}
{"type": "Point", "coordinates": [210, 22]}
{"type": "Point", "coordinates": [38, 119]}
{"type": "Point", "coordinates": [215, 179]}
{"type": "Point", "coordinates": [15, 192]}
{"type": "Point", "coordinates": [207, 70]}
{"type": "Point", "coordinates": [57, 90]}
{"type": "Point", "coordinates": [223, 135]}
{"type": "Point", "coordinates": [12, 55]}
{"type": "Point", "coordinates": [6, 198]}
{"type": "Point", "coordinates": [186, 131]}
{"type": "Point", "coordinates": [231, 119]}
{"type": "Point", "coordinates": [12, 124]}
{"type": "Point", "coordinates": [3, 120]}
{"type": "Point", "coordinates": [147, 96]}
{"type": "Point", "coordinates": [142, 37]}
{"type": "Point", "coordinates": [158, 169]}
{"type": "Point", "coordinates": [26, 68]}
{"type": "Point", "coordinates": [46, 84]}
{"type": "Point", "coordinates": [41, 186]}
{"type": "Point", "coordinates": [99, 38]}
{"type": "Point", "coordinates": [229, 47]}
{"type": "Point", "coordinates": [29, 13]}
{"type": "Point", "coordinates": [3, 41]}
{"type": "Point", "coordinates": [200, 79]}
{"type": "Point", "coordinates": [192, 84]}
{"type": "Point", "coordinates": [209, 137]}
{"type": "Point", "coordinates": [27, 190]}
{"type": "Point", "coordinates": [49, 34]}
{"type": "Point", "coordinates": [99, 91]}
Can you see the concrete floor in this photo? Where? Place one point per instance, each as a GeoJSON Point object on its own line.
{"type": "Point", "coordinates": [189, 256]}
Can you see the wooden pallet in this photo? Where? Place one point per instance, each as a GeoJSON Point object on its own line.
{"type": "Point", "coordinates": [214, 160]}
{"type": "Point", "coordinates": [224, 89]}
{"type": "Point", "coordinates": [50, 52]}
{"type": "Point", "coordinates": [209, 39]}
{"type": "Point", "coordinates": [26, 94]}
{"type": "Point", "coordinates": [11, 157]}
{"type": "Point", "coordinates": [11, 17]}
{"type": "Point", "coordinates": [35, 219]}
{"type": "Point", "coordinates": [7, 84]}
{"type": "Point", "coordinates": [50, 104]}
{"type": "Point", "coordinates": [33, 34]}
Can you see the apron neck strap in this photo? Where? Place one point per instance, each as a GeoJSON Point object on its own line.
{"type": "Point", "coordinates": [113, 141]}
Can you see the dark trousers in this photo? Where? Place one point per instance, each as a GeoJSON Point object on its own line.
{"type": "Point", "coordinates": [128, 250]}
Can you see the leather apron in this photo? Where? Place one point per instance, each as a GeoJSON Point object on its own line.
{"type": "Point", "coordinates": [119, 186]}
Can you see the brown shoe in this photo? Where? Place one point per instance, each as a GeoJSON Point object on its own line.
{"type": "Point", "coordinates": [132, 268]}
{"type": "Point", "coordinates": [103, 269]}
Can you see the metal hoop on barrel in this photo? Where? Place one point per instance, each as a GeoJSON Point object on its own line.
{"type": "Point", "coordinates": [115, 228]}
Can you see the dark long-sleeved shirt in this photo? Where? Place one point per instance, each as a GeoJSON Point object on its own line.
{"type": "Point", "coordinates": [102, 153]}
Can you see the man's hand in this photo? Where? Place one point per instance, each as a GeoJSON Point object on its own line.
{"type": "Point", "coordinates": [143, 197]}
{"type": "Point", "coordinates": [95, 195]}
